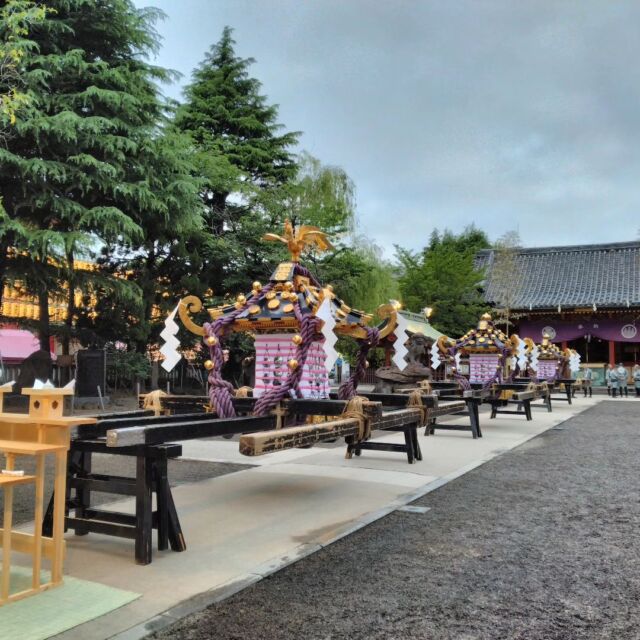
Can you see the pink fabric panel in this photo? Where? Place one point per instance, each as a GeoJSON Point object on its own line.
{"type": "Point", "coordinates": [17, 344]}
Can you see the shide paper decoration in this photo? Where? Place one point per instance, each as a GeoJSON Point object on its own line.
{"type": "Point", "coordinates": [435, 356]}
{"type": "Point", "coordinates": [401, 336]}
{"type": "Point", "coordinates": [330, 338]}
{"type": "Point", "coordinates": [170, 347]}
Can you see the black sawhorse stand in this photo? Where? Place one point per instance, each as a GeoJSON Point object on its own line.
{"type": "Point", "coordinates": [411, 445]}
{"type": "Point", "coordinates": [151, 477]}
{"type": "Point", "coordinates": [472, 413]}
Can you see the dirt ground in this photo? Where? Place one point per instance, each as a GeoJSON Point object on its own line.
{"type": "Point", "coordinates": [539, 544]}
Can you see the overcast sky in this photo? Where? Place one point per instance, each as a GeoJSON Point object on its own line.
{"type": "Point", "coordinates": [507, 114]}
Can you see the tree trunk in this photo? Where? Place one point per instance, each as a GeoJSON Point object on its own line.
{"type": "Point", "coordinates": [217, 207]}
{"type": "Point", "coordinates": [44, 329]}
{"type": "Point", "coordinates": [4, 247]}
{"type": "Point", "coordinates": [71, 305]}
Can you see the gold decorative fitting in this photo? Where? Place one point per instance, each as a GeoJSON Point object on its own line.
{"type": "Point", "coordinates": [253, 309]}
{"type": "Point", "coordinates": [288, 286]}
{"type": "Point", "coordinates": [288, 308]}
{"type": "Point", "coordinates": [256, 286]}
{"type": "Point", "coordinates": [297, 339]}
{"type": "Point", "coordinates": [297, 240]}
{"type": "Point", "coordinates": [212, 341]}
{"type": "Point", "coordinates": [271, 295]}
{"type": "Point", "coordinates": [208, 365]}
{"type": "Point", "coordinates": [241, 299]}
{"type": "Point", "coordinates": [481, 339]}
{"type": "Point", "coordinates": [329, 287]}
{"type": "Point", "coordinates": [341, 314]}
{"type": "Point", "coordinates": [273, 304]}
{"type": "Point", "coordinates": [485, 316]}
{"type": "Point", "coordinates": [292, 364]}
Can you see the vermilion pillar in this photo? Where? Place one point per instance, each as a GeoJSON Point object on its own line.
{"type": "Point", "coordinates": [612, 352]}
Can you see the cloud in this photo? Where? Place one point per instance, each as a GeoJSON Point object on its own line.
{"type": "Point", "coordinates": [507, 114]}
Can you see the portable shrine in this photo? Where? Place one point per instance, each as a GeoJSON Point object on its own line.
{"type": "Point", "coordinates": [295, 322]}
{"type": "Point", "coordinates": [550, 359]}
{"type": "Point", "coordinates": [487, 349]}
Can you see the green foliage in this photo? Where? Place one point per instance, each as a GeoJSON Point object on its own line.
{"type": "Point", "coordinates": [17, 18]}
{"type": "Point", "coordinates": [240, 152]}
{"type": "Point", "coordinates": [90, 164]}
{"type": "Point", "coordinates": [125, 368]}
{"type": "Point", "coordinates": [443, 277]}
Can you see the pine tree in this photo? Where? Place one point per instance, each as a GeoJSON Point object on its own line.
{"type": "Point", "coordinates": [241, 150]}
{"type": "Point", "coordinates": [78, 169]}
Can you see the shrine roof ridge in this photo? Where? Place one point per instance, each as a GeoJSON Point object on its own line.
{"type": "Point", "coordinates": [575, 276]}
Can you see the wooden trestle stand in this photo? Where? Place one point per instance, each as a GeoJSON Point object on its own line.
{"type": "Point", "coordinates": [43, 431]}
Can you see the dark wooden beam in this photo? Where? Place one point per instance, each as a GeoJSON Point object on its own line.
{"type": "Point", "coordinates": [186, 430]}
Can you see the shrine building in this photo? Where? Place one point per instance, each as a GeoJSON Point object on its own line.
{"type": "Point", "coordinates": [586, 297]}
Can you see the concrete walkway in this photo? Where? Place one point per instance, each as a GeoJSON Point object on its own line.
{"type": "Point", "coordinates": [244, 526]}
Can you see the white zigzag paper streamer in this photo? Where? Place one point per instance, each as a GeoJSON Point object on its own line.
{"type": "Point", "coordinates": [535, 352]}
{"type": "Point", "coordinates": [435, 356]}
{"type": "Point", "coordinates": [458, 358]}
{"type": "Point", "coordinates": [170, 347]}
{"type": "Point", "coordinates": [574, 362]}
{"type": "Point", "coordinates": [522, 355]}
{"type": "Point", "coordinates": [399, 347]}
{"type": "Point", "coordinates": [330, 339]}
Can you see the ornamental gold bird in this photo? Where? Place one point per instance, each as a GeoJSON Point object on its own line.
{"type": "Point", "coordinates": [299, 239]}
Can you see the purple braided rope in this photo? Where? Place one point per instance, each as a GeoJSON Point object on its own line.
{"type": "Point", "coordinates": [221, 391]}
{"type": "Point", "coordinates": [462, 381]}
{"type": "Point", "coordinates": [348, 389]}
{"type": "Point", "coordinates": [273, 396]}
{"type": "Point", "coordinates": [299, 270]}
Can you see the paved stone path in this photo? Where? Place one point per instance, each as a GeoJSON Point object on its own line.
{"type": "Point", "coordinates": [541, 543]}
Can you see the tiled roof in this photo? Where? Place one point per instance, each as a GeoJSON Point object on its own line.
{"type": "Point", "coordinates": [607, 275]}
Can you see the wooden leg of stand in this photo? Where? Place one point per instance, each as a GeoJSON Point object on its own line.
{"type": "Point", "coordinates": [37, 530]}
{"type": "Point", "coordinates": [6, 543]}
{"type": "Point", "coordinates": [58, 517]}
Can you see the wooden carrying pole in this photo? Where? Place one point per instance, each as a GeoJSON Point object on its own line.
{"type": "Point", "coordinates": [257, 444]}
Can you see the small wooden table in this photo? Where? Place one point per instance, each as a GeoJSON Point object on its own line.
{"type": "Point", "coordinates": [43, 431]}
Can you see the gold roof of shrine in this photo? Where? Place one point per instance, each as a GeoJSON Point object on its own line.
{"type": "Point", "coordinates": [272, 308]}
{"type": "Point", "coordinates": [484, 338]}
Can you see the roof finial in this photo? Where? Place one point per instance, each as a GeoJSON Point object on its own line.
{"type": "Point", "coordinates": [298, 239]}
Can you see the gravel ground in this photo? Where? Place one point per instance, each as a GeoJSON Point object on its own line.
{"type": "Point", "coordinates": [180, 472]}
{"type": "Point", "coordinates": [539, 544]}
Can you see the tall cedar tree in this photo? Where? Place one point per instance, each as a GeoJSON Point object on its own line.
{"type": "Point", "coordinates": [241, 150]}
{"type": "Point", "coordinates": [79, 166]}
{"type": "Point", "coordinates": [443, 277]}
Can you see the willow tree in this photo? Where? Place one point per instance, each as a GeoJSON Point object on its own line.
{"type": "Point", "coordinates": [505, 278]}
{"type": "Point", "coordinates": [78, 168]}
